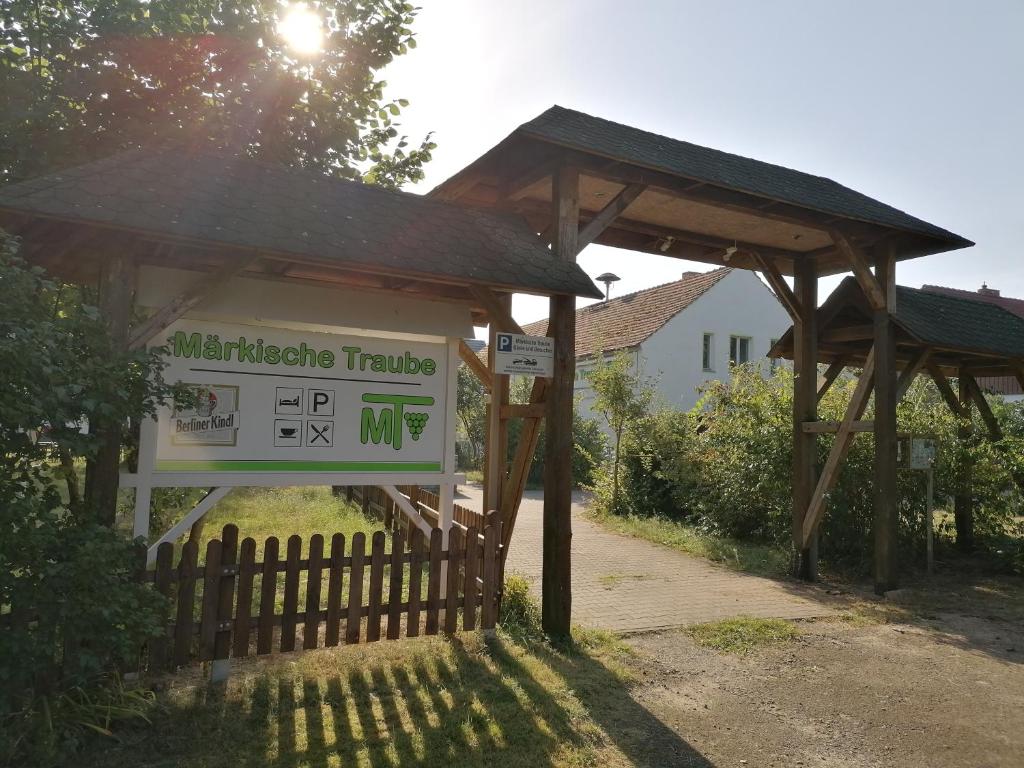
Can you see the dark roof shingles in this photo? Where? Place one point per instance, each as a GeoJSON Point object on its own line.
{"type": "Point", "coordinates": [224, 198]}
{"type": "Point", "coordinates": [584, 132]}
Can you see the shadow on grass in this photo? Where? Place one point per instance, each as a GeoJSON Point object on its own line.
{"type": "Point", "coordinates": [453, 704]}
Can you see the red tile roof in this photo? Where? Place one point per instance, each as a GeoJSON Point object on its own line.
{"type": "Point", "coordinates": [629, 320]}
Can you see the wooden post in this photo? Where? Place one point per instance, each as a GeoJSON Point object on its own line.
{"type": "Point", "coordinates": [116, 296]}
{"type": "Point", "coordinates": [805, 408]}
{"type": "Point", "coordinates": [556, 581]}
{"type": "Point", "coordinates": [496, 439]}
{"type": "Point", "coordinates": [886, 522]}
{"type": "Point", "coordinates": [963, 501]}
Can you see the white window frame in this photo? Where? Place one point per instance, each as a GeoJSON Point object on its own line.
{"type": "Point", "coordinates": [735, 341]}
{"type": "Point", "coordinates": [707, 338]}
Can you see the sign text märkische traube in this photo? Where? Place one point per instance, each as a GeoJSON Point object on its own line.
{"type": "Point", "coordinates": [276, 399]}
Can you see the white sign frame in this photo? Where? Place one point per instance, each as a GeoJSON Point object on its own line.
{"type": "Point", "coordinates": [520, 355]}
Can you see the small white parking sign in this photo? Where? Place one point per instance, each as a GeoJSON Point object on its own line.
{"type": "Point", "coordinates": [529, 355]}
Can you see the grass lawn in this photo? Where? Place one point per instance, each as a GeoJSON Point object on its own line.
{"type": "Point", "coordinates": [461, 701]}
{"type": "Point", "coordinates": [430, 701]}
{"type": "Point", "coordinates": [761, 559]}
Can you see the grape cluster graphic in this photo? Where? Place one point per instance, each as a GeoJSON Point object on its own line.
{"type": "Point", "coordinates": [416, 422]}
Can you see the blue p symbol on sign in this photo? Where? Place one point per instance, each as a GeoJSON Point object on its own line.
{"type": "Point", "coordinates": [504, 342]}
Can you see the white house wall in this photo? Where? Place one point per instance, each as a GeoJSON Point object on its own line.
{"type": "Point", "coordinates": [737, 305]}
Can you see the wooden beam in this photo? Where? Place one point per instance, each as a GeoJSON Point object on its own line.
{"type": "Point", "coordinates": [496, 438]}
{"type": "Point", "coordinates": [832, 427]}
{"type": "Point", "coordinates": [778, 283]}
{"type": "Point", "coordinates": [512, 495]}
{"type": "Point", "coordinates": [476, 365]}
{"type": "Point", "coordinates": [946, 390]}
{"type": "Point", "coordinates": [861, 267]}
{"type": "Point", "coordinates": [188, 299]}
{"type": "Point", "coordinates": [556, 576]}
{"type": "Point", "coordinates": [523, 411]}
{"type": "Point", "coordinates": [608, 214]}
{"type": "Point", "coordinates": [805, 408]}
{"type": "Point", "coordinates": [848, 333]}
{"type": "Point", "coordinates": [1018, 372]}
{"type": "Point", "coordinates": [516, 187]}
{"type": "Point", "coordinates": [497, 312]}
{"type": "Point", "coordinates": [909, 373]}
{"type": "Point", "coordinates": [831, 374]}
{"type": "Point", "coordinates": [841, 446]}
{"type": "Point", "coordinates": [963, 498]}
{"type": "Point", "coordinates": [886, 518]}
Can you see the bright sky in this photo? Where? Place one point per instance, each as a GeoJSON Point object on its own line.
{"type": "Point", "coordinates": [917, 104]}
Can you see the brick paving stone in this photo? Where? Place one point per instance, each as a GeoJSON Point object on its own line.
{"type": "Point", "coordinates": [625, 584]}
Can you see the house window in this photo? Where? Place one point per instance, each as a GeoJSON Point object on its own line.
{"type": "Point", "coordinates": [739, 350]}
{"type": "Point", "coordinates": [707, 352]}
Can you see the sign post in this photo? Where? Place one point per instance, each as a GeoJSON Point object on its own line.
{"type": "Point", "coordinates": [918, 453]}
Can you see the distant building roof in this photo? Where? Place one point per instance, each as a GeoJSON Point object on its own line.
{"type": "Point", "coordinates": [222, 198]}
{"type": "Point", "coordinates": [1003, 385]}
{"type": "Point", "coordinates": [629, 320]}
{"type": "Point", "coordinates": [961, 330]}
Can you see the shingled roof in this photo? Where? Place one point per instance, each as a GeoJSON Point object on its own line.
{"type": "Point", "coordinates": [960, 328]}
{"type": "Point", "coordinates": [986, 294]}
{"type": "Point", "coordinates": [629, 320]}
{"type": "Point", "coordinates": [217, 197]}
{"type": "Point", "coordinates": [581, 131]}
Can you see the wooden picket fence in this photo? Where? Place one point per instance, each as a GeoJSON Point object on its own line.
{"type": "Point", "coordinates": [375, 501]}
{"type": "Point", "coordinates": [228, 606]}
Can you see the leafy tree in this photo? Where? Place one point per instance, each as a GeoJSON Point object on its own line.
{"type": "Point", "coordinates": [623, 395]}
{"type": "Point", "coordinates": [81, 79]}
{"type": "Point", "coordinates": [73, 607]}
{"type": "Point", "coordinates": [472, 409]}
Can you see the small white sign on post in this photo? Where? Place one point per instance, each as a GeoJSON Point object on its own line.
{"type": "Point", "coordinates": [524, 355]}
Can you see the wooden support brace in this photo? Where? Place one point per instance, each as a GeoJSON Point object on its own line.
{"type": "Point", "coordinates": [593, 229]}
{"type": "Point", "coordinates": [523, 411]}
{"type": "Point", "coordinates": [779, 285]}
{"type": "Point", "coordinates": [840, 448]}
{"type": "Point", "coordinates": [185, 301]}
{"type": "Point", "coordinates": [861, 267]}
{"type": "Point", "coordinates": [995, 432]}
{"type": "Point", "coordinates": [496, 311]}
{"type": "Point", "coordinates": [830, 427]}
{"type": "Point", "coordinates": [946, 390]}
{"type": "Point", "coordinates": [831, 374]}
{"type": "Point", "coordinates": [515, 188]}
{"type": "Point", "coordinates": [476, 365]}
{"type": "Point", "coordinates": [512, 493]}
{"type": "Point", "coordinates": [908, 374]}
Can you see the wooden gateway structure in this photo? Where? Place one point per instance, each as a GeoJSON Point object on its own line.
{"type": "Point", "coordinates": [579, 179]}
{"type": "Point", "coordinates": [471, 244]}
{"type": "Point", "coordinates": [935, 334]}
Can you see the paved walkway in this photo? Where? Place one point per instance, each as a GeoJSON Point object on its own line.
{"type": "Point", "coordinates": [625, 584]}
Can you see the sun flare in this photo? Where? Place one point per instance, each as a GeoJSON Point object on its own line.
{"type": "Point", "coordinates": [302, 29]}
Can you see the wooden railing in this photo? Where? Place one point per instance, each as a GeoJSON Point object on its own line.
{"type": "Point", "coordinates": [376, 501]}
{"type": "Point", "coordinates": [234, 605]}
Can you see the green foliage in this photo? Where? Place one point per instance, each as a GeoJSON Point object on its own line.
{"type": "Point", "coordinates": [83, 79]}
{"type": "Point", "coordinates": [623, 395]}
{"type": "Point", "coordinates": [72, 608]}
{"type": "Point", "coordinates": [472, 410]}
{"type": "Point", "coordinates": [589, 444]}
{"type": "Point", "coordinates": [725, 468]}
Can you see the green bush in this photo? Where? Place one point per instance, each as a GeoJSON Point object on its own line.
{"type": "Point", "coordinates": [726, 468]}
{"type": "Point", "coordinates": [71, 610]}
{"type": "Point", "coordinates": [520, 614]}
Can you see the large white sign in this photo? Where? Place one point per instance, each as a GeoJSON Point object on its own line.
{"type": "Point", "coordinates": [267, 399]}
{"type": "Point", "coordinates": [531, 355]}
